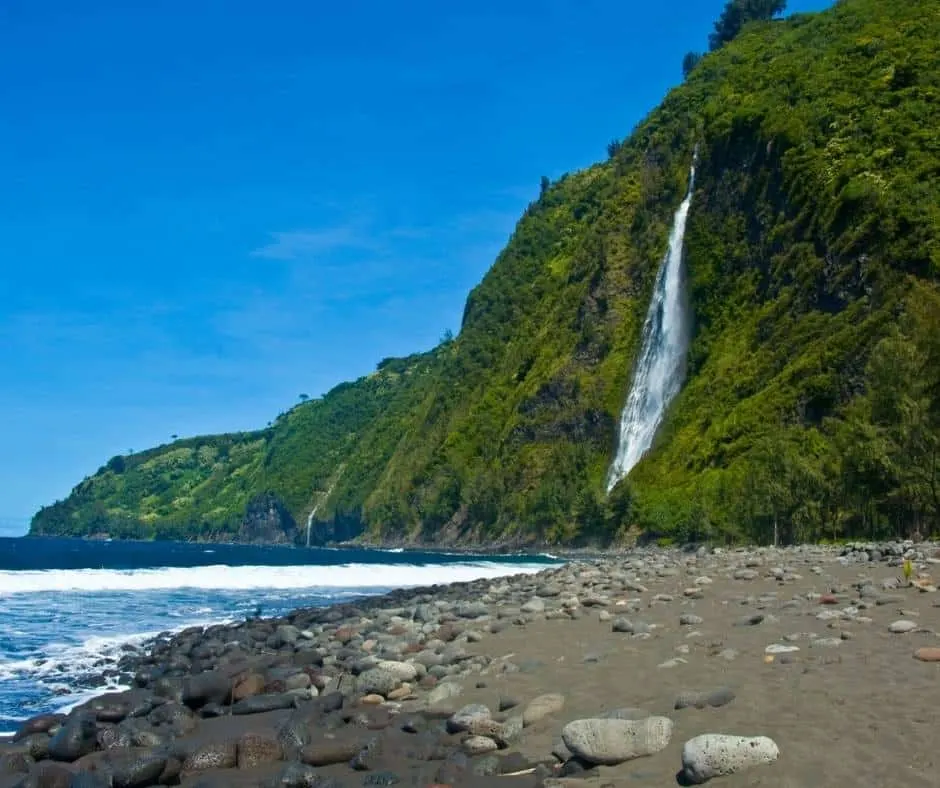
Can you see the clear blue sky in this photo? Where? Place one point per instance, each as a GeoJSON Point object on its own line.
{"type": "Point", "coordinates": [209, 207]}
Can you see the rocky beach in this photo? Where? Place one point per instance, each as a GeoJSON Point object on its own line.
{"type": "Point", "coordinates": [807, 666]}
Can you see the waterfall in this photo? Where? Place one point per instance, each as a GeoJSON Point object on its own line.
{"type": "Point", "coordinates": [661, 364]}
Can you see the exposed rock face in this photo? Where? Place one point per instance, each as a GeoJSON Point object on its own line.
{"type": "Point", "coordinates": [339, 529]}
{"type": "Point", "coordinates": [267, 520]}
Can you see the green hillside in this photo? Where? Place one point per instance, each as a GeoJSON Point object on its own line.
{"type": "Point", "coordinates": [812, 403]}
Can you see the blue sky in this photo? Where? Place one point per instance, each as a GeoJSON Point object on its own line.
{"type": "Point", "coordinates": [210, 207]}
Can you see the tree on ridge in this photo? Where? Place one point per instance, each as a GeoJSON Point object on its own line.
{"type": "Point", "coordinates": [737, 14]}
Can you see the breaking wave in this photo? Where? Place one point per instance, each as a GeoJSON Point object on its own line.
{"type": "Point", "coordinates": [222, 576]}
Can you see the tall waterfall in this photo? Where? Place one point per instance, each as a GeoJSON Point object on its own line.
{"type": "Point", "coordinates": [661, 365]}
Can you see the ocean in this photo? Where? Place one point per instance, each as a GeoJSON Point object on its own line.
{"type": "Point", "coordinates": [69, 607]}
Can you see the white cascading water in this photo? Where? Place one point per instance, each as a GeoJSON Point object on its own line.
{"type": "Point", "coordinates": [661, 366]}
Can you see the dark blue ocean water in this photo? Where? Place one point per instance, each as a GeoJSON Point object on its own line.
{"type": "Point", "coordinates": [68, 605]}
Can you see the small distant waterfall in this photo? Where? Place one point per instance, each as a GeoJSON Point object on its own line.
{"type": "Point", "coordinates": [661, 365]}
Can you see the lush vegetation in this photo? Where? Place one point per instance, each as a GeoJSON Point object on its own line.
{"type": "Point", "coordinates": [812, 402]}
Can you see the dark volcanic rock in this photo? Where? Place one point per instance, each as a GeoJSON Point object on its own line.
{"type": "Point", "coordinates": [116, 706]}
{"type": "Point", "coordinates": [133, 768]}
{"type": "Point", "coordinates": [77, 737]}
{"type": "Point", "coordinates": [367, 758]}
{"type": "Point", "coordinates": [48, 775]}
{"type": "Point", "coordinates": [41, 724]}
{"type": "Point", "coordinates": [90, 780]}
{"type": "Point", "coordinates": [299, 775]}
{"type": "Point", "coordinates": [174, 717]}
{"type": "Point", "coordinates": [212, 755]}
{"type": "Point", "coordinates": [15, 763]}
{"type": "Point", "coordinates": [257, 704]}
{"type": "Point", "coordinates": [213, 686]}
{"type": "Point", "coordinates": [267, 520]}
{"type": "Point", "coordinates": [37, 744]}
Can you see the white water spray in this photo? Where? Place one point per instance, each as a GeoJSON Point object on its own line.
{"type": "Point", "coordinates": [661, 365]}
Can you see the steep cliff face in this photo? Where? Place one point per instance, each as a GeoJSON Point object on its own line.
{"type": "Point", "coordinates": [812, 255]}
{"type": "Point", "coordinates": [267, 521]}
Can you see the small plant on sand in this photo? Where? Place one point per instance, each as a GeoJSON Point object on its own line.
{"type": "Point", "coordinates": [907, 569]}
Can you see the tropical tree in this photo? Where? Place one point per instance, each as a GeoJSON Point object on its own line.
{"type": "Point", "coordinates": [737, 14]}
{"type": "Point", "coordinates": [689, 62]}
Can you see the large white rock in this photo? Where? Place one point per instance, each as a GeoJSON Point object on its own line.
{"type": "Point", "coordinates": [614, 741]}
{"type": "Point", "coordinates": [405, 671]}
{"type": "Point", "coordinates": [717, 755]}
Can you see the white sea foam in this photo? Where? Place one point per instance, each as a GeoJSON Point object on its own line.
{"type": "Point", "coordinates": [250, 577]}
{"type": "Point", "coordinates": [77, 698]}
{"type": "Point", "coordinates": [61, 661]}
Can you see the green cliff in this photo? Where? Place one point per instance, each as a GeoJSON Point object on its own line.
{"type": "Point", "coordinates": [812, 402]}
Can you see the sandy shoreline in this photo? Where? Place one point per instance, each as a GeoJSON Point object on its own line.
{"type": "Point", "coordinates": [378, 681]}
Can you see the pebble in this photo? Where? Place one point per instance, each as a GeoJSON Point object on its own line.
{"type": "Point", "coordinates": [718, 755]}
{"type": "Point", "coordinates": [902, 626]}
{"type": "Point", "coordinates": [928, 654]}
{"type": "Point", "coordinates": [479, 745]}
{"type": "Point", "coordinates": [780, 648]}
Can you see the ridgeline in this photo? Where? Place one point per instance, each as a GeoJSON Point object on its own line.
{"type": "Point", "coordinates": [811, 407]}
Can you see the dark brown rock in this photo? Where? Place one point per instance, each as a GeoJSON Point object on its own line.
{"type": "Point", "coordinates": [42, 723]}
{"type": "Point", "coordinates": [77, 737]}
{"type": "Point", "coordinates": [252, 684]}
{"type": "Point", "coordinates": [329, 751]}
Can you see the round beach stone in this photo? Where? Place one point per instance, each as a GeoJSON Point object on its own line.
{"type": "Point", "coordinates": [534, 605]}
{"type": "Point", "coordinates": [479, 745]}
{"type": "Point", "coordinates": [717, 755]}
{"type": "Point", "coordinates": [541, 707]}
{"type": "Point", "coordinates": [378, 681]}
{"type": "Point", "coordinates": [212, 755]}
{"type": "Point", "coordinates": [902, 626]}
{"type": "Point", "coordinates": [255, 749]}
{"type": "Point", "coordinates": [404, 671]}
{"type": "Point", "coordinates": [252, 684]}
{"type": "Point", "coordinates": [77, 737]}
{"type": "Point", "coordinates": [464, 717]}
{"type": "Point", "coordinates": [614, 741]}
{"type": "Point", "coordinates": [928, 654]}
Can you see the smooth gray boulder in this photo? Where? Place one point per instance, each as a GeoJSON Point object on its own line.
{"type": "Point", "coordinates": [542, 706]}
{"type": "Point", "coordinates": [612, 741]}
{"type": "Point", "coordinates": [718, 755]}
